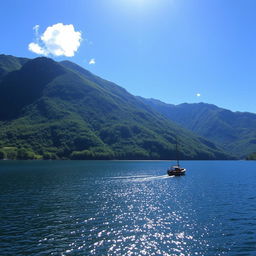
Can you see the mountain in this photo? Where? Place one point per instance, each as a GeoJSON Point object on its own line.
{"type": "Point", "coordinates": [60, 110]}
{"type": "Point", "coordinates": [10, 63]}
{"type": "Point", "coordinates": [251, 156]}
{"type": "Point", "coordinates": [235, 132]}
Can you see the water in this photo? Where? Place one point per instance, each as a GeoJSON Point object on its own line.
{"type": "Point", "coordinates": [127, 208]}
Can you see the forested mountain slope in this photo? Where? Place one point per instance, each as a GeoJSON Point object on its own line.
{"type": "Point", "coordinates": [60, 110]}
{"type": "Point", "coordinates": [235, 132]}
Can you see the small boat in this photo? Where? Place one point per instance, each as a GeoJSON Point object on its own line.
{"type": "Point", "coordinates": [176, 170]}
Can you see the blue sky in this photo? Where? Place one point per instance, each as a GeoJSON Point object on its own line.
{"type": "Point", "coordinates": [172, 50]}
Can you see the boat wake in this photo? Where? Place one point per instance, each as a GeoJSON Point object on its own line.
{"type": "Point", "coordinates": [142, 178]}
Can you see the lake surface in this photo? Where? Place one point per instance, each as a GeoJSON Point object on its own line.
{"type": "Point", "coordinates": [127, 208]}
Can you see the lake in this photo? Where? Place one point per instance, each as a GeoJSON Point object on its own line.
{"type": "Point", "coordinates": [127, 208]}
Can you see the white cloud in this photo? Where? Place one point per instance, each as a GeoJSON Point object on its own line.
{"type": "Point", "coordinates": [92, 62]}
{"type": "Point", "coordinates": [33, 47]}
{"type": "Point", "coordinates": [57, 40]}
{"type": "Point", "coordinates": [36, 28]}
{"type": "Point", "coordinates": [198, 94]}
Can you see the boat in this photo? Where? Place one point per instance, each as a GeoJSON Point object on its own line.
{"type": "Point", "coordinates": [176, 170]}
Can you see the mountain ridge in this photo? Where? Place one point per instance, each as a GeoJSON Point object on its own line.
{"type": "Point", "coordinates": [74, 114]}
{"type": "Point", "coordinates": [235, 132]}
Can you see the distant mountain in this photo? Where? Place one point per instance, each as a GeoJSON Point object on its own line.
{"type": "Point", "coordinates": [235, 132]}
{"type": "Point", "coordinates": [60, 110]}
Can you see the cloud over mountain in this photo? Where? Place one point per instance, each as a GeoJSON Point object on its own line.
{"type": "Point", "coordinates": [57, 40]}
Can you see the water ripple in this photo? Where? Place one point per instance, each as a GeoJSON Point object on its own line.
{"type": "Point", "coordinates": [130, 208]}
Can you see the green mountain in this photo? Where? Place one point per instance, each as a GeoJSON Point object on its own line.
{"type": "Point", "coordinates": [235, 132]}
{"type": "Point", "coordinates": [60, 110]}
{"type": "Point", "coordinates": [251, 156]}
{"type": "Point", "coordinates": [10, 63]}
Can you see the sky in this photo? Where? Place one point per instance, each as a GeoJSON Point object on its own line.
{"type": "Point", "coordinates": [173, 50]}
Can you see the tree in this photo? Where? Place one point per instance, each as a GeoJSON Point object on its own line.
{"type": "Point", "coordinates": [2, 154]}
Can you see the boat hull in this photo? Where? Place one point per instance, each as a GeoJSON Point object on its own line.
{"type": "Point", "coordinates": [180, 172]}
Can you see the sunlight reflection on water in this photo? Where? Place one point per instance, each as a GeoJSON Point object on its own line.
{"type": "Point", "coordinates": [112, 208]}
{"type": "Point", "coordinates": [141, 178]}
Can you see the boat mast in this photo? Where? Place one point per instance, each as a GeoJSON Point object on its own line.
{"type": "Point", "coordinates": [177, 153]}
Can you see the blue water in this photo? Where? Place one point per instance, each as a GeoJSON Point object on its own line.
{"type": "Point", "coordinates": [127, 208]}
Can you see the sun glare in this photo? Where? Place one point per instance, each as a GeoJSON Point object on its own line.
{"type": "Point", "coordinates": [141, 5]}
